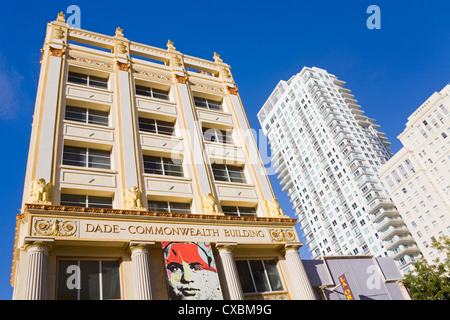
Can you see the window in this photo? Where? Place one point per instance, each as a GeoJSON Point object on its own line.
{"type": "Point", "coordinates": [87, 115]}
{"type": "Point", "coordinates": [239, 211]}
{"type": "Point", "coordinates": [259, 275]}
{"type": "Point", "coordinates": [152, 92]}
{"type": "Point", "coordinates": [165, 206]}
{"type": "Point", "coordinates": [86, 157]}
{"type": "Point", "coordinates": [224, 172]}
{"type": "Point", "coordinates": [77, 200]}
{"type": "Point", "coordinates": [87, 80]}
{"type": "Point", "coordinates": [163, 166]}
{"type": "Point", "coordinates": [216, 135]}
{"type": "Point", "coordinates": [156, 126]}
{"type": "Point", "coordinates": [99, 280]}
{"type": "Point", "coordinates": [207, 104]}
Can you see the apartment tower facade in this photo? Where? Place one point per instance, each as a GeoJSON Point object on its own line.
{"type": "Point", "coordinates": [141, 182]}
{"type": "Point", "coordinates": [327, 154]}
{"type": "Point", "coordinates": [418, 176]}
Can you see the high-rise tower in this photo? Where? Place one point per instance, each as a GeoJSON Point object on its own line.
{"type": "Point", "coordinates": [327, 154]}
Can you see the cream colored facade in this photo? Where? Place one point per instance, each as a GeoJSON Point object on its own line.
{"type": "Point", "coordinates": [418, 176]}
{"type": "Point", "coordinates": [106, 135]}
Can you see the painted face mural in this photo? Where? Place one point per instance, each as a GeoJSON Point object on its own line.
{"type": "Point", "coordinates": [191, 271]}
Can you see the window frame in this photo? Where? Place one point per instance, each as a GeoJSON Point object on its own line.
{"type": "Point", "coordinates": [238, 211]}
{"type": "Point", "coordinates": [208, 103]}
{"type": "Point", "coordinates": [101, 279]}
{"type": "Point", "coordinates": [87, 162]}
{"type": "Point", "coordinates": [220, 136]}
{"type": "Point", "coordinates": [158, 124]}
{"type": "Point", "coordinates": [266, 275]}
{"type": "Point", "coordinates": [87, 115]}
{"type": "Point", "coordinates": [91, 80]}
{"type": "Point", "coordinates": [227, 171]}
{"type": "Point", "coordinates": [87, 201]}
{"type": "Point", "coordinates": [151, 92]}
{"type": "Point", "coordinates": [170, 205]}
{"type": "Point", "coordinates": [163, 166]}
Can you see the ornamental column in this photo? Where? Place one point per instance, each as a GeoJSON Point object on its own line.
{"type": "Point", "coordinates": [302, 286]}
{"type": "Point", "coordinates": [193, 133]}
{"type": "Point", "coordinates": [141, 269]}
{"type": "Point", "coordinates": [229, 267]}
{"type": "Point", "coordinates": [47, 110]}
{"type": "Point", "coordinates": [36, 269]}
{"type": "Point", "coordinates": [131, 181]}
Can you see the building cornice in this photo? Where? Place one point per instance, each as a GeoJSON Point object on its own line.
{"type": "Point", "coordinates": [143, 213]}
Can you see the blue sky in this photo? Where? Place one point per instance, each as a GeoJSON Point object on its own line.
{"type": "Point", "coordinates": [391, 71]}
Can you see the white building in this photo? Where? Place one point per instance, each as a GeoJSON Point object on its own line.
{"type": "Point", "coordinates": [418, 176]}
{"type": "Point", "coordinates": [327, 154]}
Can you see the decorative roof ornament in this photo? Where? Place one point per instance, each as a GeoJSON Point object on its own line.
{"type": "Point", "coordinates": [61, 17]}
{"type": "Point", "coordinates": [119, 32]}
{"type": "Point", "coordinates": [217, 57]}
{"type": "Point", "coordinates": [170, 45]}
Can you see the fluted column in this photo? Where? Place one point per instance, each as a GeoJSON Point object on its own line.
{"type": "Point", "coordinates": [141, 270]}
{"type": "Point", "coordinates": [229, 267]}
{"type": "Point", "coordinates": [302, 286]}
{"type": "Point", "coordinates": [36, 270]}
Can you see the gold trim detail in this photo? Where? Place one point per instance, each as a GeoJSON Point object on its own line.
{"type": "Point", "coordinates": [91, 63]}
{"type": "Point", "coordinates": [181, 79]}
{"type": "Point", "coordinates": [54, 228]}
{"type": "Point", "coordinates": [132, 199]}
{"type": "Point", "coordinates": [232, 90]}
{"type": "Point", "coordinates": [123, 66]}
{"type": "Point", "coordinates": [281, 234]}
{"type": "Point", "coordinates": [41, 192]}
{"type": "Point", "coordinates": [57, 52]}
{"type": "Point", "coordinates": [209, 204]}
{"type": "Point", "coordinates": [274, 208]}
{"type": "Point", "coordinates": [33, 206]}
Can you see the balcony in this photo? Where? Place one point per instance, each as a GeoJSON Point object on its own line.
{"type": "Point", "coordinates": [391, 231]}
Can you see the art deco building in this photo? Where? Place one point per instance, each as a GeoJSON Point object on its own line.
{"type": "Point", "coordinates": [418, 176]}
{"type": "Point", "coordinates": [143, 181]}
{"type": "Point", "coordinates": [327, 154]}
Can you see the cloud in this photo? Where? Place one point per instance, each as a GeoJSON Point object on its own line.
{"type": "Point", "coordinates": [13, 96]}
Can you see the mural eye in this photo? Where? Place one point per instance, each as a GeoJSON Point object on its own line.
{"type": "Point", "coordinates": [196, 266]}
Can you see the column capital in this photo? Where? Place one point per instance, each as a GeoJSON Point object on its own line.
{"type": "Point", "coordinates": [140, 245]}
{"type": "Point", "coordinates": [291, 246]}
{"type": "Point", "coordinates": [31, 242]}
{"type": "Point", "coordinates": [226, 246]}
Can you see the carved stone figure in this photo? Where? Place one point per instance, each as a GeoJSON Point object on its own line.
{"type": "Point", "coordinates": [41, 192]}
{"type": "Point", "coordinates": [209, 205]}
{"type": "Point", "coordinates": [132, 198]}
{"type": "Point", "coordinates": [274, 208]}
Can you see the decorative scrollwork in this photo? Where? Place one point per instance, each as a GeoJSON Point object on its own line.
{"type": "Point", "coordinates": [282, 234]}
{"type": "Point", "coordinates": [55, 227]}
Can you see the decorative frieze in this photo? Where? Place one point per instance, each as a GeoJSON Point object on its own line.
{"type": "Point", "coordinates": [91, 63]}
{"type": "Point", "coordinates": [54, 227]}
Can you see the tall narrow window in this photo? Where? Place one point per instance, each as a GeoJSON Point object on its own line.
{"type": "Point", "coordinates": [163, 166]}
